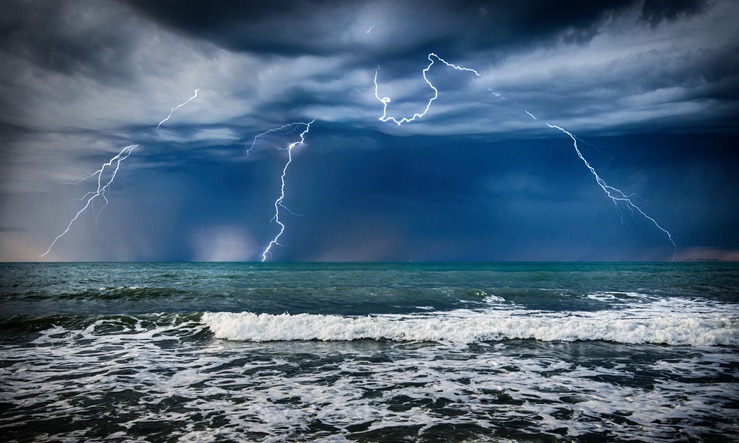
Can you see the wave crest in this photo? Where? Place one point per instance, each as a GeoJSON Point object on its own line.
{"type": "Point", "coordinates": [703, 329]}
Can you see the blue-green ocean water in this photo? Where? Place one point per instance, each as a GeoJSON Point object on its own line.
{"type": "Point", "coordinates": [369, 352]}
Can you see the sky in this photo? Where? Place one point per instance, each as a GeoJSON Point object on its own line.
{"type": "Point", "coordinates": [650, 89]}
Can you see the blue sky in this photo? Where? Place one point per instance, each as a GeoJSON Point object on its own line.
{"type": "Point", "coordinates": [648, 87]}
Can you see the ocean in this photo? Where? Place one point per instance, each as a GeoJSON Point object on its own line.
{"type": "Point", "coordinates": [369, 352]}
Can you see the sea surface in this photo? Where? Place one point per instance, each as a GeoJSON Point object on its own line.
{"type": "Point", "coordinates": [379, 352]}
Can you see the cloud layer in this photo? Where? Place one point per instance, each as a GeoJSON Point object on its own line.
{"type": "Point", "coordinates": [650, 87]}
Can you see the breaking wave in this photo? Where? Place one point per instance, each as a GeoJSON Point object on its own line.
{"type": "Point", "coordinates": [662, 322]}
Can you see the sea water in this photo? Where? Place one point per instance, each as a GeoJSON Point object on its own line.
{"type": "Point", "coordinates": [369, 352]}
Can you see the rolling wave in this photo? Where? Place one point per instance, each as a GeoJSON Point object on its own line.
{"type": "Point", "coordinates": [662, 322]}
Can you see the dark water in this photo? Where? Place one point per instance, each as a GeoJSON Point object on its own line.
{"type": "Point", "coordinates": [369, 352]}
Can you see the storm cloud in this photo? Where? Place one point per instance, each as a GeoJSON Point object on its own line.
{"type": "Point", "coordinates": [650, 88]}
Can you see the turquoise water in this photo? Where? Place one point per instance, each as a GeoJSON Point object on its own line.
{"type": "Point", "coordinates": [369, 352]}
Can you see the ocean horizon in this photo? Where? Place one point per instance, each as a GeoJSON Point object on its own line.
{"type": "Point", "coordinates": [386, 351]}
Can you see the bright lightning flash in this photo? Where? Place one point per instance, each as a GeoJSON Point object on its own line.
{"type": "Point", "coordinates": [615, 194]}
{"type": "Point", "coordinates": [279, 202]}
{"type": "Point", "coordinates": [101, 189]}
{"type": "Point", "coordinates": [178, 107]}
{"type": "Point", "coordinates": [293, 127]}
{"type": "Point", "coordinates": [111, 166]}
{"type": "Point", "coordinates": [386, 100]}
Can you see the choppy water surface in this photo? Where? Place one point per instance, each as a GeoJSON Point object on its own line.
{"type": "Point", "coordinates": [369, 352]}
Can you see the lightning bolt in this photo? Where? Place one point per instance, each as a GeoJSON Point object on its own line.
{"type": "Point", "coordinates": [112, 165]}
{"type": "Point", "coordinates": [101, 189]}
{"type": "Point", "coordinates": [293, 125]}
{"type": "Point", "coordinates": [386, 100]}
{"type": "Point", "coordinates": [279, 201]}
{"type": "Point", "coordinates": [176, 108]}
{"type": "Point", "coordinates": [615, 194]}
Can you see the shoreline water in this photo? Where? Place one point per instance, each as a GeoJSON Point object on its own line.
{"type": "Point", "coordinates": [369, 352]}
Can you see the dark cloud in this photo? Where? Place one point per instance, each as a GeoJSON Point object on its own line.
{"type": "Point", "coordinates": [273, 27]}
{"type": "Point", "coordinates": [320, 27]}
{"type": "Point", "coordinates": [89, 39]}
{"type": "Point", "coordinates": [649, 87]}
{"type": "Point", "coordinates": [538, 22]}
{"type": "Point", "coordinates": [656, 11]}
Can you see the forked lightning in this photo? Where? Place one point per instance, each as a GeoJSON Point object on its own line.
{"type": "Point", "coordinates": [615, 194]}
{"type": "Point", "coordinates": [103, 186]}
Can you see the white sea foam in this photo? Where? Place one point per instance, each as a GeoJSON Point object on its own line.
{"type": "Point", "coordinates": [611, 296]}
{"type": "Point", "coordinates": [219, 390]}
{"type": "Point", "coordinates": [489, 298]}
{"type": "Point", "coordinates": [683, 322]}
{"type": "Point", "coordinates": [155, 377]}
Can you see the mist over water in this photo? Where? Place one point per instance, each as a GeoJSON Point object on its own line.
{"type": "Point", "coordinates": [369, 352]}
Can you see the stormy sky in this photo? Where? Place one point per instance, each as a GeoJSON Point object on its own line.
{"type": "Point", "coordinates": [650, 88]}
